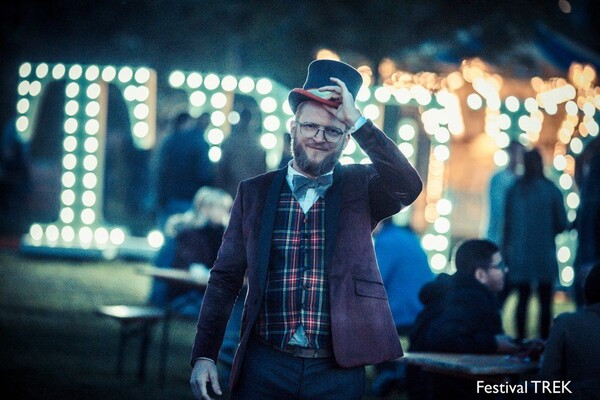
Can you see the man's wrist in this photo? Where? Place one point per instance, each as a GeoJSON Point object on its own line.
{"type": "Point", "coordinates": [357, 125]}
{"type": "Point", "coordinates": [204, 358]}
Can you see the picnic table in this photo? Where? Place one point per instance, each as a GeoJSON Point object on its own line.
{"type": "Point", "coordinates": [477, 366]}
{"type": "Point", "coordinates": [173, 276]}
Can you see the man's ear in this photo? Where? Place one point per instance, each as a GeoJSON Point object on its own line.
{"type": "Point", "coordinates": [481, 275]}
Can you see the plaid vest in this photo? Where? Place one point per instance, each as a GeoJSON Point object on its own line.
{"type": "Point", "coordinates": [297, 291]}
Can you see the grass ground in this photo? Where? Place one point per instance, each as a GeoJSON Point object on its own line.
{"type": "Point", "coordinates": [53, 346]}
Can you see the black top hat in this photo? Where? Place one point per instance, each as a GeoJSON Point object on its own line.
{"type": "Point", "coordinates": [319, 72]}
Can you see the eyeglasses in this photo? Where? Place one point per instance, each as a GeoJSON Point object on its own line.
{"type": "Point", "coordinates": [500, 266]}
{"type": "Point", "coordinates": [311, 130]}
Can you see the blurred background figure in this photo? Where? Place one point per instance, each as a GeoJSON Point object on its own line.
{"type": "Point", "coordinates": [499, 184]}
{"type": "Point", "coordinates": [14, 180]}
{"type": "Point", "coordinates": [535, 214]}
{"type": "Point", "coordinates": [418, 382]}
{"type": "Point", "coordinates": [182, 166]}
{"type": "Point", "coordinates": [404, 269]}
{"type": "Point", "coordinates": [192, 241]}
{"type": "Point", "coordinates": [461, 316]}
{"type": "Point", "coordinates": [243, 156]}
{"type": "Point", "coordinates": [572, 353]}
{"type": "Point", "coordinates": [197, 240]}
{"type": "Point", "coordinates": [587, 223]}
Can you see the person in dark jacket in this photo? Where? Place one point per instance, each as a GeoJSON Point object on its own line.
{"type": "Point", "coordinates": [571, 352]}
{"type": "Point", "coordinates": [418, 382]}
{"type": "Point", "coordinates": [461, 315]}
{"type": "Point", "coordinates": [182, 167]}
{"type": "Point", "coordinates": [587, 223]}
{"type": "Point", "coordinates": [316, 310]}
{"type": "Point", "coordinates": [192, 240]}
{"type": "Point", "coordinates": [535, 215]}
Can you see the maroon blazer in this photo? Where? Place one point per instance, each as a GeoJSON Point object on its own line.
{"type": "Point", "coordinates": [362, 327]}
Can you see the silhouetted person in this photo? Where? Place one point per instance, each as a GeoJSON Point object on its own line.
{"type": "Point", "coordinates": [183, 166]}
{"type": "Point", "coordinates": [198, 238]}
{"type": "Point", "coordinates": [498, 188]}
{"type": "Point", "coordinates": [191, 238]}
{"type": "Point", "coordinates": [573, 350]}
{"type": "Point", "coordinates": [499, 185]}
{"type": "Point", "coordinates": [535, 214]}
{"type": "Point", "coordinates": [242, 154]}
{"type": "Point", "coordinates": [587, 223]}
{"type": "Point", "coordinates": [15, 179]}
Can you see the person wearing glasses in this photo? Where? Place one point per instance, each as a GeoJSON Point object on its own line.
{"type": "Point", "coordinates": [470, 321]}
{"type": "Point", "coordinates": [316, 310]}
{"type": "Point", "coordinates": [461, 315]}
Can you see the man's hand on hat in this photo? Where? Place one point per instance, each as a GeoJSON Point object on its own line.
{"type": "Point", "coordinates": [346, 111]}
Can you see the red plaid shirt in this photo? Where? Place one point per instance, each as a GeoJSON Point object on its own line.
{"type": "Point", "coordinates": [297, 291]}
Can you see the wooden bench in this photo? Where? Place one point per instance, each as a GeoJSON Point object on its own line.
{"type": "Point", "coordinates": [135, 321]}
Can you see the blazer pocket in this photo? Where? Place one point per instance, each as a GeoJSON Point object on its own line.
{"type": "Point", "coordinates": [370, 289]}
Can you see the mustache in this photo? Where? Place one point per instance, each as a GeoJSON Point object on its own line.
{"type": "Point", "coordinates": [317, 146]}
{"type": "Point", "coordinates": [317, 169]}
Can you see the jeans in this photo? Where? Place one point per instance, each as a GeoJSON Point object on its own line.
{"type": "Point", "coordinates": [270, 374]}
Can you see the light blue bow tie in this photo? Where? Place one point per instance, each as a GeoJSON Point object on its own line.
{"type": "Point", "coordinates": [302, 184]}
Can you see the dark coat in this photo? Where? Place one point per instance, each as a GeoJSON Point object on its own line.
{"type": "Point", "coordinates": [183, 166]}
{"type": "Point", "coordinates": [573, 352]}
{"type": "Point", "coordinates": [469, 320]}
{"type": "Point", "coordinates": [197, 245]}
{"type": "Point", "coordinates": [535, 214]}
{"type": "Point", "coordinates": [419, 383]}
{"type": "Point", "coordinates": [431, 296]}
{"type": "Point", "coordinates": [460, 316]}
{"type": "Point", "coordinates": [362, 327]}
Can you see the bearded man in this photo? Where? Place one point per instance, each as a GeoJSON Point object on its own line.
{"type": "Point", "coordinates": [316, 311]}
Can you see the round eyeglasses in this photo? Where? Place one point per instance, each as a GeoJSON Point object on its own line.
{"type": "Point", "coordinates": [311, 130]}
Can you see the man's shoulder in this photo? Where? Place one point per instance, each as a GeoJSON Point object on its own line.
{"type": "Point", "coordinates": [262, 179]}
{"type": "Point", "coordinates": [353, 172]}
{"type": "Point", "coordinates": [570, 318]}
{"type": "Point", "coordinates": [503, 178]}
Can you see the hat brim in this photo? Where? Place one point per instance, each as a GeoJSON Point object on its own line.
{"type": "Point", "coordinates": [298, 95]}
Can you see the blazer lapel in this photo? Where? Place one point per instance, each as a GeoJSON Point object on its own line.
{"type": "Point", "coordinates": [332, 214]}
{"type": "Point", "coordinates": [266, 227]}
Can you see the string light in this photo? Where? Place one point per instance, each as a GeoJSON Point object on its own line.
{"type": "Point", "coordinates": [434, 96]}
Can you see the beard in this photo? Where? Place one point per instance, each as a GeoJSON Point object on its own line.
{"type": "Point", "coordinates": [311, 168]}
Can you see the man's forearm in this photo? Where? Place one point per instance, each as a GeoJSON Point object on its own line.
{"type": "Point", "coordinates": [400, 178]}
{"type": "Point", "coordinates": [217, 307]}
